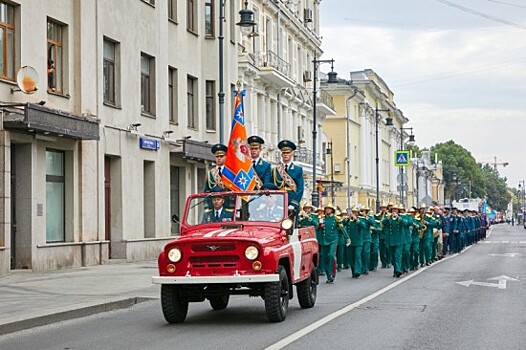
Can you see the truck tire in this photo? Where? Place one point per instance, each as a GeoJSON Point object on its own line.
{"type": "Point", "coordinates": [175, 308]}
{"type": "Point", "coordinates": [308, 290]}
{"type": "Point", "coordinates": [277, 297]}
{"type": "Point", "coordinates": [219, 302]}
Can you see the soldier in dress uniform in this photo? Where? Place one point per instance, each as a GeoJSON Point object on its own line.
{"type": "Point", "coordinates": [288, 176]}
{"type": "Point", "coordinates": [261, 167]}
{"type": "Point", "coordinates": [269, 211]}
{"type": "Point", "coordinates": [218, 213]}
{"type": "Point", "coordinates": [213, 182]}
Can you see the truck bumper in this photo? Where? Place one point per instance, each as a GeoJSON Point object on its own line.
{"type": "Point", "coordinates": [215, 279]}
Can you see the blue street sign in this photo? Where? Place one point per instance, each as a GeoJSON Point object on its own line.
{"type": "Point", "coordinates": [402, 158]}
{"type": "Point", "coordinates": [146, 143]}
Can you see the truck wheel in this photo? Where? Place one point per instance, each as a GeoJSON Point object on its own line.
{"type": "Point", "coordinates": [175, 308]}
{"type": "Point", "coordinates": [277, 297]}
{"type": "Point", "coordinates": [219, 302]}
{"type": "Point", "coordinates": [308, 290]}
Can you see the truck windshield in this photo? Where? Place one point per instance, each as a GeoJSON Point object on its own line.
{"type": "Point", "coordinates": [268, 207]}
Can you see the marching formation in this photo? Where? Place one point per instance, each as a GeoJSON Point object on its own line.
{"type": "Point", "coordinates": [357, 238]}
{"type": "Point", "coordinates": [403, 239]}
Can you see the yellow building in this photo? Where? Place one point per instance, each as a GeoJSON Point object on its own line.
{"type": "Point", "coordinates": [360, 142]}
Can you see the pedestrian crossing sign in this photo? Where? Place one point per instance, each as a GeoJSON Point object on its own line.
{"type": "Point", "coordinates": [402, 158]}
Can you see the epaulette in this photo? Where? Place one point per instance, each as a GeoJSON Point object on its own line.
{"type": "Point", "coordinates": [229, 210]}
{"type": "Point", "coordinates": [208, 210]}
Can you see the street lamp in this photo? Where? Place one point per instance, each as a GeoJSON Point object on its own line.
{"type": "Point", "coordinates": [246, 22]}
{"type": "Point", "coordinates": [410, 141]}
{"type": "Point", "coordinates": [388, 122]}
{"type": "Point", "coordinates": [523, 204]}
{"type": "Point", "coordinates": [315, 194]}
{"type": "Point", "coordinates": [329, 152]}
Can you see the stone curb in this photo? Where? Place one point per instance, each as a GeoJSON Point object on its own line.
{"type": "Point", "coordinates": [70, 314]}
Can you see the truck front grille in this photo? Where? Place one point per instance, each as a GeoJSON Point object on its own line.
{"type": "Point", "coordinates": [214, 261]}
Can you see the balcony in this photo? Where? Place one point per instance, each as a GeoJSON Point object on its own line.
{"type": "Point", "coordinates": [324, 103]}
{"type": "Point", "coordinates": [273, 69]}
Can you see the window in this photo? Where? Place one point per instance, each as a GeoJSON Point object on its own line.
{"type": "Point", "coordinates": [191, 92]}
{"type": "Point", "coordinates": [209, 18]}
{"type": "Point", "coordinates": [191, 15]}
{"type": "Point", "coordinates": [7, 41]}
{"type": "Point", "coordinates": [110, 71]}
{"type": "Point", "coordinates": [172, 94]}
{"type": "Point", "coordinates": [147, 84]}
{"type": "Point", "coordinates": [210, 105]}
{"type": "Point", "coordinates": [55, 56]}
{"type": "Point", "coordinates": [172, 10]}
{"type": "Point", "coordinates": [55, 196]}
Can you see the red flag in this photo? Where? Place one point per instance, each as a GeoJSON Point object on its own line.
{"type": "Point", "coordinates": [238, 174]}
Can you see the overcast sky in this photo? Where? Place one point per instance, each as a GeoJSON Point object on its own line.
{"type": "Point", "coordinates": [457, 68]}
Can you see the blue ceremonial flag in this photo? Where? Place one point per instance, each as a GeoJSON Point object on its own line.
{"type": "Point", "coordinates": [238, 174]}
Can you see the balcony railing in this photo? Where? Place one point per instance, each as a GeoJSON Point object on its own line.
{"type": "Point", "coordinates": [305, 155]}
{"type": "Point", "coordinates": [325, 98]}
{"type": "Point", "coordinates": [270, 59]}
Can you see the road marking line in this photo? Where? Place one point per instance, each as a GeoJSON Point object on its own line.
{"type": "Point", "coordinates": [505, 242]}
{"type": "Point", "coordinates": [312, 327]}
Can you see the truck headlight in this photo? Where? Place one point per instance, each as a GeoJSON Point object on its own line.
{"type": "Point", "coordinates": [287, 224]}
{"type": "Point", "coordinates": [174, 255]}
{"type": "Point", "coordinates": [251, 252]}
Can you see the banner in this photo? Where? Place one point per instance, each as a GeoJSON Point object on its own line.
{"type": "Point", "coordinates": [238, 174]}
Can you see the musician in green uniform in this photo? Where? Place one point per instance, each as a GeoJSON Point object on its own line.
{"type": "Point", "coordinates": [382, 245]}
{"type": "Point", "coordinates": [394, 224]}
{"type": "Point", "coordinates": [414, 249]}
{"type": "Point", "coordinates": [366, 236]}
{"type": "Point", "coordinates": [308, 216]}
{"type": "Point", "coordinates": [319, 212]}
{"type": "Point", "coordinates": [428, 224]}
{"type": "Point", "coordinates": [331, 230]}
{"type": "Point", "coordinates": [406, 233]}
{"type": "Point", "coordinates": [354, 228]}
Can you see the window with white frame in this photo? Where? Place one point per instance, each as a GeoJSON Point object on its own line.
{"type": "Point", "coordinates": [147, 84]}
{"type": "Point", "coordinates": [191, 93]}
{"type": "Point", "coordinates": [210, 105]}
{"type": "Point", "coordinates": [55, 56]}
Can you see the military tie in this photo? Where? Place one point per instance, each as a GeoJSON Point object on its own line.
{"type": "Point", "coordinates": [217, 215]}
{"type": "Point", "coordinates": [286, 167]}
{"type": "Point", "coordinates": [220, 172]}
{"type": "Point", "coordinates": [254, 164]}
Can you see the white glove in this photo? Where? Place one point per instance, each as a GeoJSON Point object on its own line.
{"type": "Point", "coordinates": [291, 207]}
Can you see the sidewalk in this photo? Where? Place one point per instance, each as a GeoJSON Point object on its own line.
{"type": "Point", "coordinates": [33, 299]}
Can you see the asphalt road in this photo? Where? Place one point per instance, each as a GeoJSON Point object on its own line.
{"type": "Point", "coordinates": [424, 310]}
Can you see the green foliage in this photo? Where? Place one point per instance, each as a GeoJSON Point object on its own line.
{"type": "Point", "coordinates": [462, 175]}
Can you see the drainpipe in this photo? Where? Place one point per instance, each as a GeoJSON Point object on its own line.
{"type": "Point", "coordinates": [348, 145]}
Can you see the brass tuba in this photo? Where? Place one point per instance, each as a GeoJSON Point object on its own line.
{"type": "Point", "coordinates": [423, 228]}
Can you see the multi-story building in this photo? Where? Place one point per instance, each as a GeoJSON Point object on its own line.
{"type": "Point", "coordinates": [100, 157]}
{"type": "Point", "coordinates": [360, 163]}
{"type": "Point", "coordinates": [276, 67]}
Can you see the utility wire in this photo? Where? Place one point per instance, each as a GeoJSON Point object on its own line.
{"type": "Point", "coordinates": [507, 3]}
{"type": "Point", "coordinates": [464, 72]}
{"type": "Point", "coordinates": [481, 14]}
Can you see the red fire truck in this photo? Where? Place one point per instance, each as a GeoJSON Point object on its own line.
{"type": "Point", "coordinates": [235, 243]}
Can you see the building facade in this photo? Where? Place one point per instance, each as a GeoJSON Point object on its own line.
{"type": "Point", "coordinates": [101, 156]}
{"type": "Point", "coordinates": [359, 138]}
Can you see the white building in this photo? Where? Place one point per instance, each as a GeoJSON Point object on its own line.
{"type": "Point", "coordinates": [129, 114]}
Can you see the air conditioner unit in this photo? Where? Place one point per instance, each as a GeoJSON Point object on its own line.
{"type": "Point", "coordinates": [307, 76]}
{"type": "Point", "coordinates": [307, 15]}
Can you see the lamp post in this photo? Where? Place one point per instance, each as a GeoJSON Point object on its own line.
{"type": "Point", "coordinates": [522, 203]}
{"type": "Point", "coordinates": [411, 141]}
{"type": "Point", "coordinates": [453, 183]}
{"type": "Point", "coordinates": [246, 21]}
{"type": "Point", "coordinates": [388, 122]}
{"type": "Point", "coordinates": [329, 152]}
{"type": "Point", "coordinates": [315, 194]}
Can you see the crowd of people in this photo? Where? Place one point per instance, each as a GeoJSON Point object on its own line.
{"type": "Point", "coordinates": [357, 238]}
{"type": "Point", "coordinates": [361, 240]}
